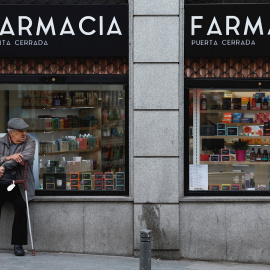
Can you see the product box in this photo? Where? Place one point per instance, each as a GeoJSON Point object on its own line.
{"type": "Point", "coordinates": [225, 187]}
{"type": "Point", "coordinates": [75, 181]}
{"type": "Point", "coordinates": [232, 131]}
{"type": "Point", "coordinates": [108, 176]}
{"type": "Point", "coordinates": [228, 94]}
{"type": "Point", "coordinates": [108, 181]}
{"type": "Point", "coordinates": [221, 132]}
{"type": "Point", "coordinates": [246, 120]}
{"type": "Point", "coordinates": [262, 187]}
{"type": "Point", "coordinates": [227, 118]}
{"type": "Point", "coordinates": [54, 163]}
{"type": "Point", "coordinates": [60, 181]}
{"type": "Point", "coordinates": [225, 152]}
{"type": "Point", "coordinates": [266, 129]}
{"type": "Point", "coordinates": [54, 181]}
{"type": "Point", "coordinates": [214, 158]}
{"type": "Point", "coordinates": [227, 115]}
{"type": "Point", "coordinates": [214, 187]}
{"type": "Point", "coordinates": [237, 107]}
{"type": "Point", "coordinates": [225, 158]}
{"type": "Point", "coordinates": [108, 187]}
{"type": "Point", "coordinates": [214, 107]}
{"type": "Point", "coordinates": [253, 130]}
{"type": "Point", "coordinates": [235, 187]}
{"type": "Point", "coordinates": [50, 169]}
{"type": "Point", "coordinates": [245, 100]}
{"type": "Point", "coordinates": [237, 100]}
{"type": "Point", "coordinates": [60, 169]}
{"type": "Point", "coordinates": [75, 175]}
{"type": "Point", "coordinates": [226, 106]}
{"type": "Point", "coordinates": [120, 181]}
{"type": "Point", "coordinates": [98, 181]}
{"type": "Point", "coordinates": [204, 157]}
{"type": "Point", "coordinates": [259, 118]}
{"type": "Point", "coordinates": [221, 126]}
{"type": "Point", "coordinates": [238, 115]}
{"type": "Point", "coordinates": [207, 130]}
{"type": "Point", "coordinates": [86, 176]}
{"type": "Point", "coordinates": [98, 175]}
{"type": "Point", "coordinates": [266, 117]}
{"type": "Point", "coordinates": [75, 187]}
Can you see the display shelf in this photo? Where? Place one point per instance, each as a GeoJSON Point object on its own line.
{"type": "Point", "coordinates": [244, 124]}
{"type": "Point", "coordinates": [69, 152]}
{"type": "Point", "coordinates": [218, 173]}
{"type": "Point", "coordinates": [232, 136]}
{"type": "Point", "coordinates": [252, 144]}
{"type": "Point", "coordinates": [233, 111]}
{"type": "Point", "coordinates": [61, 107]}
{"type": "Point", "coordinates": [246, 162]}
{"type": "Point", "coordinates": [63, 129]}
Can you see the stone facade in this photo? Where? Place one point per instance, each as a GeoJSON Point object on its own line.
{"type": "Point", "coordinates": [227, 229]}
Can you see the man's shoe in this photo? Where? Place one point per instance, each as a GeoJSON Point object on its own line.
{"type": "Point", "coordinates": [18, 250]}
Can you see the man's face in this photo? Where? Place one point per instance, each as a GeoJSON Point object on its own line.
{"type": "Point", "coordinates": [18, 136]}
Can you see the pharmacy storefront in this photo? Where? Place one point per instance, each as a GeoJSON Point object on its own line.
{"type": "Point", "coordinates": [64, 70]}
{"type": "Point", "coordinates": [227, 111]}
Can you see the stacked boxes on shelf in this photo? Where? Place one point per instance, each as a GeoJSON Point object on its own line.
{"type": "Point", "coordinates": [98, 181]}
{"type": "Point", "coordinates": [109, 181]}
{"type": "Point", "coordinates": [86, 181]}
{"type": "Point", "coordinates": [221, 129]}
{"type": "Point", "coordinates": [75, 181]}
{"type": "Point", "coordinates": [120, 181]}
{"type": "Point", "coordinates": [225, 155]}
{"type": "Point", "coordinates": [55, 177]}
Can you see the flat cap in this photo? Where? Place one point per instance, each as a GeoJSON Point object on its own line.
{"type": "Point", "coordinates": [17, 123]}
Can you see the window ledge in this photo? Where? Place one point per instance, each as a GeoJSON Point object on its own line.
{"type": "Point", "coordinates": [82, 199]}
{"type": "Point", "coordinates": [225, 199]}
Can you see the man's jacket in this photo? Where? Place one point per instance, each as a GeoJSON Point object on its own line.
{"type": "Point", "coordinates": [27, 149]}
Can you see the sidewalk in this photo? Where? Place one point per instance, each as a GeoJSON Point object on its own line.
{"type": "Point", "coordinates": [70, 261]}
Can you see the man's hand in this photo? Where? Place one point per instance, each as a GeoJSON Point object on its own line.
{"type": "Point", "coordinates": [2, 169]}
{"type": "Point", "coordinates": [16, 157]}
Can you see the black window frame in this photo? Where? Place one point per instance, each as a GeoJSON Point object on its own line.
{"type": "Point", "coordinates": [80, 79]}
{"type": "Point", "coordinates": [249, 83]}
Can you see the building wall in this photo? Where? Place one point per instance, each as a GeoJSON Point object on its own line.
{"type": "Point", "coordinates": [156, 82]}
{"type": "Point", "coordinates": [229, 229]}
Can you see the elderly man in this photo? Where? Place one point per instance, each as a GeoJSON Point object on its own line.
{"type": "Point", "coordinates": [15, 147]}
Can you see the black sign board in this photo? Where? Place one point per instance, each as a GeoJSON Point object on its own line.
{"type": "Point", "coordinates": [64, 31]}
{"type": "Point", "coordinates": [237, 30]}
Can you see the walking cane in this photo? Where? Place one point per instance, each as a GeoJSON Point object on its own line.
{"type": "Point", "coordinates": [23, 181]}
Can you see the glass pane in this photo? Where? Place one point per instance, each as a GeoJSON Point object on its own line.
{"type": "Point", "coordinates": [229, 140]}
{"type": "Point", "coordinates": [79, 131]}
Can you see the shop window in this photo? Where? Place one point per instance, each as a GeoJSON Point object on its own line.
{"type": "Point", "coordinates": [80, 133]}
{"type": "Point", "coordinates": [229, 142]}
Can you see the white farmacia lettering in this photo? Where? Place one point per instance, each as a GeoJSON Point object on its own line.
{"type": "Point", "coordinates": [27, 26]}
{"type": "Point", "coordinates": [232, 24]}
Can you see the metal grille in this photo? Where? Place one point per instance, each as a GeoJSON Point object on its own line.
{"type": "Point", "coordinates": [227, 68]}
{"type": "Point", "coordinates": [64, 66]}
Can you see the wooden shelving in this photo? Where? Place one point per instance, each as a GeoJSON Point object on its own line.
{"type": "Point", "coordinates": [234, 111]}
{"type": "Point", "coordinates": [69, 152]}
{"type": "Point", "coordinates": [63, 129]}
{"type": "Point", "coordinates": [246, 162]}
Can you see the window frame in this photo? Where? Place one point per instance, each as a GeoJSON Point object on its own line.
{"type": "Point", "coordinates": [259, 84]}
{"type": "Point", "coordinates": [80, 79]}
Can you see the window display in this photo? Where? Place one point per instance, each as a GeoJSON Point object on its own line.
{"type": "Point", "coordinates": [229, 140]}
{"type": "Point", "coordinates": [79, 131]}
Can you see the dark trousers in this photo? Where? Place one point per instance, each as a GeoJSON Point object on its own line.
{"type": "Point", "coordinates": [19, 228]}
